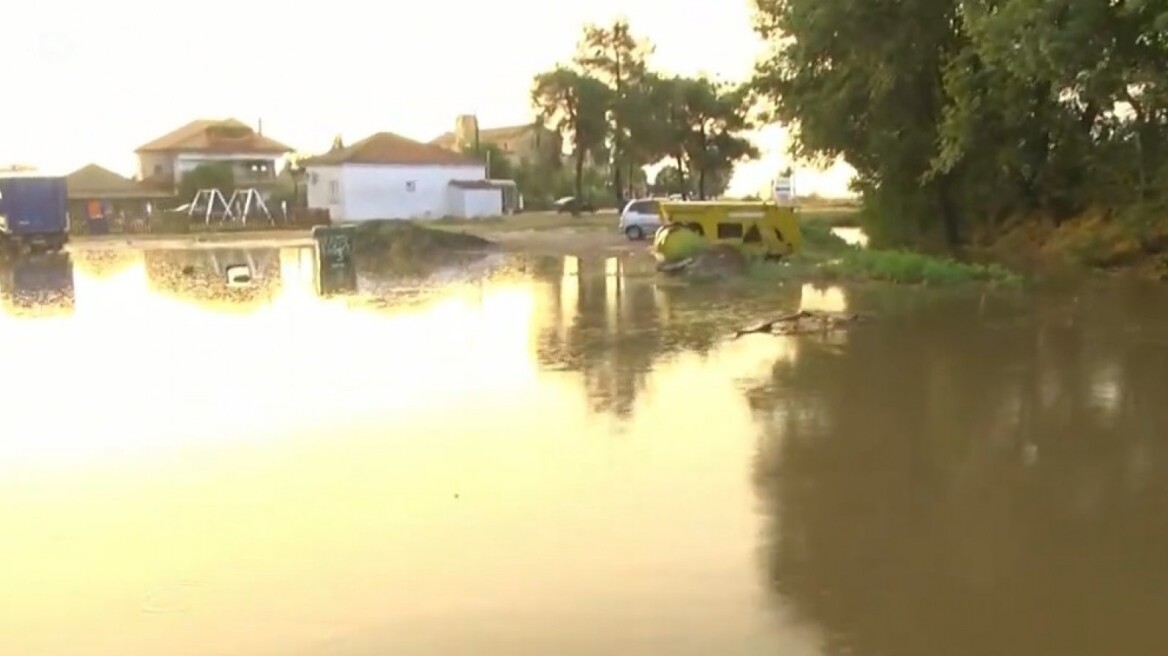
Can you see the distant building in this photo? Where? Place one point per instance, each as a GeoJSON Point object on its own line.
{"type": "Point", "coordinates": [95, 192]}
{"type": "Point", "coordinates": [522, 144]}
{"type": "Point", "coordinates": [251, 155]}
{"type": "Point", "coordinates": [387, 176]}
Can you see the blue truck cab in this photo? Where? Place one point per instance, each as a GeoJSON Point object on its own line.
{"type": "Point", "coordinates": [33, 212]}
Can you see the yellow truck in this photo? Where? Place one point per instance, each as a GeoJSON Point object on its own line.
{"type": "Point", "coordinates": [759, 229]}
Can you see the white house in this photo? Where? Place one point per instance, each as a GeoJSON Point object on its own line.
{"type": "Point", "coordinates": [387, 176]}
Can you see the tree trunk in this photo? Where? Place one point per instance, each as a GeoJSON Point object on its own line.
{"type": "Point", "coordinates": [618, 143]}
{"type": "Point", "coordinates": [618, 185]}
{"type": "Point", "coordinates": [580, 153]}
{"type": "Point", "coordinates": [683, 186]}
{"type": "Point", "coordinates": [949, 215]}
{"type": "Point", "coordinates": [702, 168]}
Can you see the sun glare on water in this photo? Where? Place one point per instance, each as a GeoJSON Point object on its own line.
{"type": "Point", "coordinates": [133, 371]}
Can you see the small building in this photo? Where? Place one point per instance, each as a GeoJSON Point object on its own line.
{"type": "Point", "coordinates": [527, 144]}
{"type": "Point", "coordinates": [96, 192]}
{"type": "Point", "coordinates": [387, 176]}
{"type": "Point", "coordinates": [252, 157]}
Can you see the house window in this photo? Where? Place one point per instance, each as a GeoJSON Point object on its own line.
{"type": "Point", "coordinates": [412, 185]}
{"type": "Point", "coordinates": [314, 178]}
{"type": "Point", "coordinates": [334, 191]}
{"type": "Point", "coordinates": [158, 170]}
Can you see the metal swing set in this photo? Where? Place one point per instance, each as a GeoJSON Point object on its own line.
{"type": "Point", "coordinates": [242, 205]}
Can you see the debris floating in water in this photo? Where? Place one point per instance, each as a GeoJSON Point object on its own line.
{"type": "Point", "coordinates": [803, 322]}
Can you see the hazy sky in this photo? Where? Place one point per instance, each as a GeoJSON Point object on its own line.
{"type": "Point", "coordinates": [91, 81]}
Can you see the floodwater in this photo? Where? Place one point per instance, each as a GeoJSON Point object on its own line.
{"type": "Point", "coordinates": [572, 458]}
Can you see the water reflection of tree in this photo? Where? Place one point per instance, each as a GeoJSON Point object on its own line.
{"type": "Point", "coordinates": [961, 482]}
{"type": "Point", "coordinates": [200, 275]}
{"type": "Point", "coordinates": [613, 323]}
{"type": "Point", "coordinates": [601, 326]}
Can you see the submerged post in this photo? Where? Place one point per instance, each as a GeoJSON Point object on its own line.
{"type": "Point", "coordinates": [336, 271]}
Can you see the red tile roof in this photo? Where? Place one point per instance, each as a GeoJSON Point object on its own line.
{"type": "Point", "coordinates": [389, 148]}
{"type": "Point", "coordinates": [95, 182]}
{"type": "Point", "coordinates": [228, 136]}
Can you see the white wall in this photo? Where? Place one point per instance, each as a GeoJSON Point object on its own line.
{"type": "Point", "coordinates": [326, 190]}
{"type": "Point", "coordinates": [478, 203]}
{"type": "Point", "coordinates": [392, 192]}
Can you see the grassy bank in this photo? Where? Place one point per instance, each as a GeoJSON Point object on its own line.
{"type": "Point", "coordinates": [825, 256]}
{"type": "Point", "coordinates": [907, 267]}
{"type": "Point", "coordinates": [1134, 244]}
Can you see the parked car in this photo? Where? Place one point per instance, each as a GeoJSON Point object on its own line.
{"type": "Point", "coordinates": [572, 205]}
{"type": "Point", "coordinates": [640, 218]}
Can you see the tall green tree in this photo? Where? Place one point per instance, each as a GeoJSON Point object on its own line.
{"type": "Point", "coordinates": [714, 117]}
{"type": "Point", "coordinates": [652, 135]}
{"type": "Point", "coordinates": [670, 180]}
{"type": "Point", "coordinates": [614, 56]}
{"type": "Point", "coordinates": [863, 81]}
{"type": "Point", "coordinates": [575, 105]}
{"type": "Point", "coordinates": [497, 164]}
{"type": "Point", "coordinates": [216, 175]}
{"type": "Point", "coordinates": [958, 112]}
{"type": "Point", "coordinates": [666, 125]}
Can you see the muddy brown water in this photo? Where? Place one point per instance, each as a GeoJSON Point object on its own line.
{"type": "Point", "coordinates": [571, 457]}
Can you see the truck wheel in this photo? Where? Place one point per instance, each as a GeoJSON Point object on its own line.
{"type": "Point", "coordinates": [634, 233]}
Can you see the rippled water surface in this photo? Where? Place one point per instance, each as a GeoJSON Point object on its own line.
{"type": "Point", "coordinates": [545, 457]}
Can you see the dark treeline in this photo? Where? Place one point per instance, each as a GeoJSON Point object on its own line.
{"type": "Point", "coordinates": [618, 115]}
{"type": "Point", "coordinates": [961, 116]}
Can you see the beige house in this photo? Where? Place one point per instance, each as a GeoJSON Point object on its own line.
{"type": "Point", "coordinates": [253, 157]}
{"type": "Point", "coordinates": [531, 143]}
{"type": "Point", "coordinates": [96, 192]}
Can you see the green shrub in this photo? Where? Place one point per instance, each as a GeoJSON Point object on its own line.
{"type": "Point", "coordinates": [818, 237]}
{"type": "Point", "coordinates": [907, 267]}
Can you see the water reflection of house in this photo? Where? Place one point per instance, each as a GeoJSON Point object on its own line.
{"type": "Point", "coordinates": [250, 154]}
{"type": "Point", "coordinates": [200, 275]}
{"type": "Point", "coordinates": [95, 191]}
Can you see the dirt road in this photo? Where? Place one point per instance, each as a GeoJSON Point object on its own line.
{"type": "Point", "coordinates": [540, 234]}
